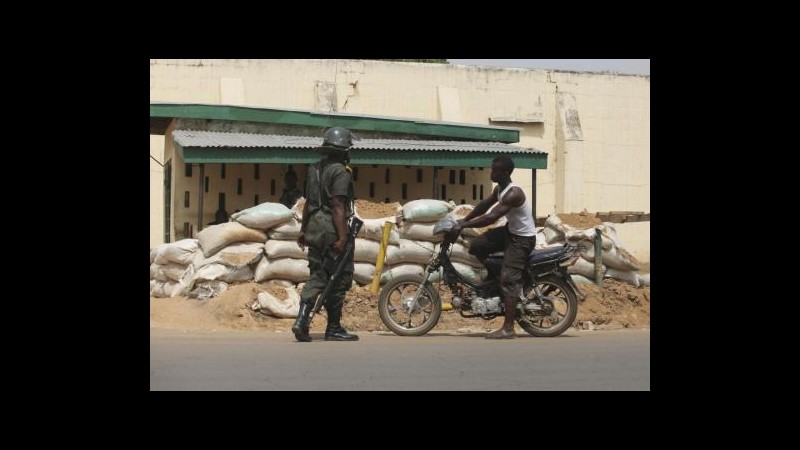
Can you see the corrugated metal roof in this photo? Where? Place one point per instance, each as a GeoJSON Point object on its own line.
{"type": "Point", "coordinates": [204, 139]}
{"type": "Point", "coordinates": [320, 119]}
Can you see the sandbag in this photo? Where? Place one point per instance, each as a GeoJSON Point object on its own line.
{"type": "Point", "coordinates": [236, 255]}
{"type": "Point", "coordinates": [263, 216]}
{"type": "Point", "coordinates": [580, 279]}
{"type": "Point", "coordinates": [179, 252]}
{"type": "Point", "coordinates": [287, 231]}
{"type": "Point", "coordinates": [285, 249]}
{"type": "Point", "coordinates": [216, 237]}
{"type": "Point", "coordinates": [208, 289]}
{"type": "Point", "coordinates": [282, 269]}
{"type": "Point", "coordinates": [623, 275]}
{"type": "Point", "coordinates": [612, 257]}
{"type": "Point", "coordinates": [460, 253]}
{"type": "Point", "coordinates": [165, 289]}
{"type": "Point", "coordinates": [588, 234]}
{"type": "Point", "coordinates": [372, 229]}
{"type": "Point", "coordinates": [585, 268]}
{"type": "Point", "coordinates": [366, 250]}
{"type": "Point", "coordinates": [363, 273]}
{"type": "Point", "coordinates": [280, 308]}
{"type": "Point", "coordinates": [154, 252]}
{"type": "Point", "coordinates": [473, 274]}
{"type": "Point", "coordinates": [419, 231]}
{"type": "Point", "coordinates": [425, 210]}
{"type": "Point", "coordinates": [552, 236]}
{"type": "Point", "coordinates": [390, 273]}
{"type": "Point", "coordinates": [170, 271]}
{"type": "Point", "coordinates": [222, 272]}
{"type": "Point", "coordinates": [409, 252]}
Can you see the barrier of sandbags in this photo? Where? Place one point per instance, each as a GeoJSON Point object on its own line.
{"type": "Point", "coordinates": [180, 252]}
{"type": "Point", "coordinates": [239, 254]}
{"type": "Point", "coordinates": [216, 237]}
{"type": "Point", "coordinates": [287, 231]}
{"type": "Point", "coordinates": [282, 269]}
{"type": "Point", "coordinates": [285, 249]}
{"type": "Point", "coordinates": [409, 252]}
{"type": "Point", "coordinates": [363, 273]}
{"type": "Point", "coordinates": [228, 274]}
{"type": "Point", "coordinates": [263, 216]}
{"type": "Point", "coordinates": [425, 210]}
{"type": "Point", "coordinates": [644, 280]}
{"type": "Point", "coordinates": [277, 307]}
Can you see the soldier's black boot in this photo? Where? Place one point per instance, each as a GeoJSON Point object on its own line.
{"type": "Point", "coordinates": [334, 330]}
{"type": "Point", "coordinates": [300, 327]}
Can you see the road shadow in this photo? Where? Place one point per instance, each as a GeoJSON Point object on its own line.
{"type": "Point", "coordinates": [477, 334]}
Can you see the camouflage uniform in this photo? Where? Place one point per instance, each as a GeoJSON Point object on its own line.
{"type": "Point", "coordinates": [325, 179]}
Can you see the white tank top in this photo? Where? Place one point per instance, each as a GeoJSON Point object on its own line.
{"type": "Point", "coordinates": [520, 219]}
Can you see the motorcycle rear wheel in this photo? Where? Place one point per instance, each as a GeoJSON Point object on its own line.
{"type": "Point", "coordinates": [395, 298]}
{"type": "Point", "coordinates": [560, 300]}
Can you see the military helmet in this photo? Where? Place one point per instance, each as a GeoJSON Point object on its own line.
{"type": "Point", "coordinates": [338, 138]}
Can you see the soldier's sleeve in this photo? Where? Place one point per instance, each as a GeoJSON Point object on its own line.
{"type": "Point", "coordinates": [340, 182]}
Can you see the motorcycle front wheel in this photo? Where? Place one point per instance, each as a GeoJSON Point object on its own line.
{"type": "Point", "coordinates": [552, 313]}
{"type": "Point", "coordinates": [399, 314]}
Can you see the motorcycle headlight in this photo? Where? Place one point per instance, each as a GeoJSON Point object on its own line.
{"type": "Point", "coordinates": [443, 226]}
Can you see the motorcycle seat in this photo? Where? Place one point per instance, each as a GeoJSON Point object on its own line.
{"type": "Point", "coordinates": [544, 254]}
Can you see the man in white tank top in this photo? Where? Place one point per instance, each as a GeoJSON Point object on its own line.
{"type": "Point", "coordinates": [516, 240]}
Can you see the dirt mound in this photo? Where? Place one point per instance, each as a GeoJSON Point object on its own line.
{"type": "Point", "coordinates": [371, 210]}
{"type": "Point", "coordinates": [582, 219]}
{"type": "Point", "coordinates": [614, 305]}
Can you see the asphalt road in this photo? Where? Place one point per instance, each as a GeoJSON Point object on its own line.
{"type": "Point", "coordinates": [233, 360]}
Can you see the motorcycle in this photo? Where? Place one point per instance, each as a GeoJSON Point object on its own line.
{"type": "Point", "coordinates": [410, 306]}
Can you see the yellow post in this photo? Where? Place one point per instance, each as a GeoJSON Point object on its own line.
{"type": "Point", "coordinates": [376, 279]}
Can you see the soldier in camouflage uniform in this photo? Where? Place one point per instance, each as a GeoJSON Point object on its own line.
{"type": "Point", "coordinates": [329, 205]}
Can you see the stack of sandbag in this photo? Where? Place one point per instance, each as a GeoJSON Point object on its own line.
{"type": "Point", "coordinates": [283, 259]}
{"type": "Point", "coordinates": [233, 249]}
{"type": "Point", "coordinates": [616, 262]}
{"type": "Point", "coordinates": [172, 267]}
{"type": "Point", "coordinates": [367, 244]}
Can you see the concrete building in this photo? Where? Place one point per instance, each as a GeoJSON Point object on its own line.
{"type": "Point", "coordinates": [593, 127]}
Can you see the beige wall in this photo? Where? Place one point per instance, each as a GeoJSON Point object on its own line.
{"type": "Point", "coordinates": [156, 191]}
{"type": "Point", "coordinates": [595, 127]}
{"type": "Point", "coordinates": [635, 237]}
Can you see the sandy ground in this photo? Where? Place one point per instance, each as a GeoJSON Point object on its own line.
{"type": "Point", "coordinates": [615, 305]}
